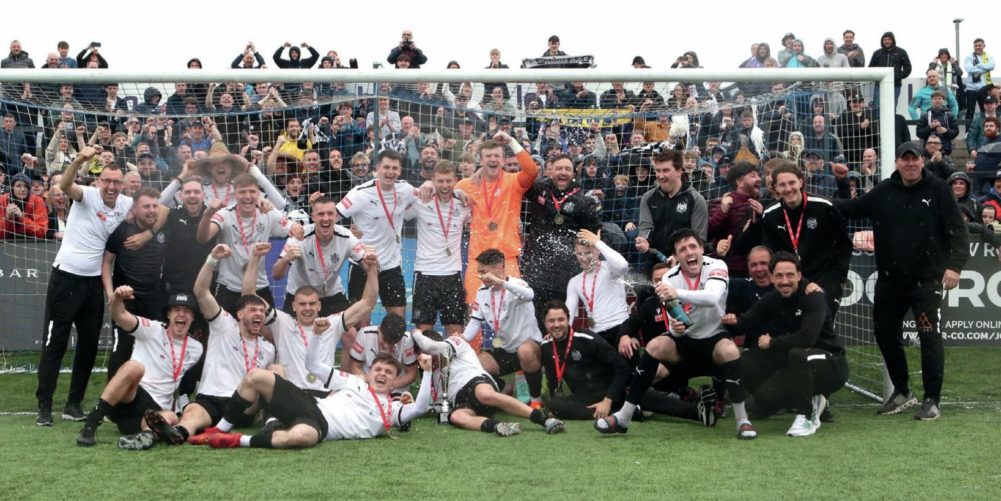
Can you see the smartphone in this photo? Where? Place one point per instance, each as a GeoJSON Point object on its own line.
{"type": "Point", "coordinates": [95, 44]}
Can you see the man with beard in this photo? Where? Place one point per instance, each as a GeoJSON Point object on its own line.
{"type": "Point", "coordinates": [137, 268]}
{"type": "Point", "coordinates": [891, 56]}
{"type": "Point", "coordinates": [147, 382]}
{"type": "Point", "coordinates": [857, 129]}
{"type": "Point", "coordinates": [235, 348]}
{"type": "Point", "coordinates": [671, 205]}
{"type": "Point", "coordinates": [810, 227]}
{"type": "Point", "coordinates": [219, 169]}
{"type": "Point", "coordinates": [830, 58]}
{"type": "Point", "coordinates": [699, 284]}
{"type": "Point", "coordinates": [558, 210]}
{"type": "Point", "coordinates": [988, 156]}
{"type": "Point", "coordinates": [729, 215]}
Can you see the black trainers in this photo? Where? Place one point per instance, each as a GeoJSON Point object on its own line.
{"type": "Point", "coordinates": [161, 430]}
{"type": "Point", "coordinates": [44, 415]}
{"type": "Point", "coordinates": [897, 403]}
{"type": "Point", "coordinates": [706, 406]}
{"type": "Point", "coordinates": [928, 411]}
{"type": "Point", "coordinates": [88, 434]}
{"type": "Point", "coordinates": [73, 412]}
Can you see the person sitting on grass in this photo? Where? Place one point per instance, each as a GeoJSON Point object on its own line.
{"type": "Point", "coordinates": [472, 393]}
{"type": "Point", "coordinates": [148, 382]}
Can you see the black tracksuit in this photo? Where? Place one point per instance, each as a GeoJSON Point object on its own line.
{"type": "Point", "coordinates": [824, 249]}
{"type": "Point", "coordinates": [805, 357]}
{"type": "Point", "coordinates": [919, 233]}
{"type": "Point", "coordinates": [594, 371]}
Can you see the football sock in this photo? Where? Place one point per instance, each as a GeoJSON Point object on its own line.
{"type": "Point", "coordinates": [260, 440]}
{"type": "Point", "coordinates": [488, 426]}
{"type": "Point", "coordinates": [534, 380]}
{"type": "Point", "coordinates": [538, 417]}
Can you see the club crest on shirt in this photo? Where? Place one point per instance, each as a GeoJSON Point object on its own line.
{"type": "Point", "coordinates": [682, 208]}
{"type": "Point", "coordinates": [575, 355]}
{"type": "Point", "coordinates": [160, 238]}
{"type": "Point", "coordinates": [811, 223]}
{"type": "Point", "coordinates": [569, 207]}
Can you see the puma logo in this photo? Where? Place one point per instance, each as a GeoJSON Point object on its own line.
{"type": "Point", "coordinates": [926, 201]}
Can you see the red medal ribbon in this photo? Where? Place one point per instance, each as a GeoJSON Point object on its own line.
{"type": "Point", "coordinates": [385, 414]}
{"type": "Point", "coordinates": [249, 363]}
{"type": "Point", "coordinates": [302, 334]}
{"type": "Point", "coordinates": [594, 289]}
{"type": "Point", "coordinates": [176, 364]}
{"type": "Point", "coordinates": [560, 369]}
{"type": "Point", "coordinates": [559, 203]}
{"type": "Point", "coordinates": [323, 264]}
{"type": "Point", "coordinates": [444, 226]}
{"type": "Point", "coordinates": [692, 286]}
{"type": "Point", "coordinates": [243, 236]}
{"type": "Point", "coordinates": [488, 201]}
{"type": "Point", "coordinates": [229, 192]}
{"type": "Point", "coordinates": [799, 227]}
{"type": "Point", "coordinates": [385, 208]}
{"type": "Point", "coordinates": [497, 311]}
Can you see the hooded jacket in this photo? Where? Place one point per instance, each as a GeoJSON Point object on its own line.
{"type": "Point", "coordinates": [918, 229]}
{"type": "Point", "coordinates": [892, 57]}
{"type": "Point", "coordinates": [34, 221]}
{"type": "Point", "coordinates": [833, 59]}
{"type": "Point", "coordinates": [966, 200]}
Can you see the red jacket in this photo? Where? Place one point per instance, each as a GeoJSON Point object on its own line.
{"type": "Point", "coordinates": [34, 223]}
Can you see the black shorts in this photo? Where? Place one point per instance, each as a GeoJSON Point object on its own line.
{"type": "Point", "coordinates": [328, 305]}
{"type": "Point", "coordinates": [439, 294]}
{"type": "Point", "coordinates": [466, 397]}
{"type": "Point", "coordinates": [292, 405]}
{"type": "Point", "coordinates": [216, 409]}
{"type": "Point", "coordinates": [508, 362]}
{"type": "Point", "coordinates": [392, 289]}
{"type": "Point", "coordinates": [129, 415]}
{"type": "Point", "coordinates": [697, 354]}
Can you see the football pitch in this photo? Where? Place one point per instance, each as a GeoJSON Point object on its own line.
{"type": "Point", "coordinates": [859, 456]}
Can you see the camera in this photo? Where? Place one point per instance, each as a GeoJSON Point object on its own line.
{"type": "Point", "coordinates": [407, 44]}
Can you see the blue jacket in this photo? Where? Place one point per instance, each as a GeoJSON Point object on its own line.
{"type": "Point", "coordinates": [922, 101]}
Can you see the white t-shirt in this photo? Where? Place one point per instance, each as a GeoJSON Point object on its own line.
{"type": "Point", "coordinates": [705, 300]}
{"type": "Point", "coordinates": [366, 347]}
{"type": "Point", "coordinates": [463, 367]}
{"type": "Point", "coordinates": [322, 269]}
{"type": "Point", "coordinates": [240, 234]}
{"type": "Point", "coordinates": [354, 411]}
{"type": "Point", "coordinates": [159, 354]}
{"type": "Point", "coordinates": [436, 253]}
{"type": "Point", "coordinates": [604, 291]}
{"type": "Point", "coordinates": [213, 192]}
{"type": "Point", "coordinates": [368, 210]}
{"type": "Point", "coordinates": [509, 312]}
{"type": "Point", "coordinates": [88, 227]}
{"type": "Point", "coordinates": [230, 356]}
{"type": "Point", "coordinates": [291, 341]}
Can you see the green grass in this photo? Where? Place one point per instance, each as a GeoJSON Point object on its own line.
{"type": "Point", "coordinates": [859, 456]}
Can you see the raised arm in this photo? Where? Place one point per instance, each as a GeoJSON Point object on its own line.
{"type": "Point", "coordinates": [420, 405]}
{"type": "Point", "coordinates": [362, 309]}
{"type": "Point", "coordinates": [207, 229]}
{"type": "Point", "coordinates": [203, 283]}
{"type": "Point", "coordinates": [119, 314]}
{"type": "Point", "coordinates": [67, 183]}
{"type": "Point", "coordinates": [249, 285]}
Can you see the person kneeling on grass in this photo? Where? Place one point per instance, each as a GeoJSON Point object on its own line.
{"type": "Point", "coordinates": [801, 359]}
{"type": "Point", "coordinates": [473, 394]}
{"type": "Point", "coordinates": [355, 408]}
{"type": "Point", "coordinates": [148, 382]}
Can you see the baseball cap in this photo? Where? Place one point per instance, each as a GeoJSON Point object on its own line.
{"type": "Point", "coordinates": [909, 147]}
{"type": "Point", "coordinates": [990, 99]}
{"type": "Point", "coordinates": [840, 159]}
{"type": "Point", "coordinates": [182, 299]}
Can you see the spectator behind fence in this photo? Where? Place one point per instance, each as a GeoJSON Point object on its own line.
{"type": "Point", "coordinates": [24, 214]}
{"type": "Point", "coordinates": [407, 46]}
{"type": "Point", "coordinates": [13, 145]}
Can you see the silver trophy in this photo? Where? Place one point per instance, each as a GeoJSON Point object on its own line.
{"type": "Point", "coordinates": [443, 407]}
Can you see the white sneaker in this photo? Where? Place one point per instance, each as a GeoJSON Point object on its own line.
{"type": "Point", "coordinates": [508, 429]}
{"type": "Point", "coordinates": [819, 404]}
{"type": "Point", "coordinates": [801, 427]}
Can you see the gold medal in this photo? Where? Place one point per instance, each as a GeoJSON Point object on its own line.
{"type": "Point", "coordinates": [558, 218]}
{"type": "Point", "coordinates": [492, 226]}
{"type": "Point", "coordinates": [497, 342]}
{"type": "Point", "coordinates": [311, 378]}
{"type": "Point", "coordinates": [590, 322]}
{"type": "Point", "coordinates": [448, 252]}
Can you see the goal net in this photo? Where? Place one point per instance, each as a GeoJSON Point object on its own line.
{"type": "Point", "coordinates": [340, 120]}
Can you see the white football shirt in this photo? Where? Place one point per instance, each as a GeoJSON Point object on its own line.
{"type": "Point", "coordinates": [705, 299]}
{"type": "Point", "coordinates": [88, 226]}
{"type": "Point", "coordinates": [509, 312]}
{"type": "Point", "coordinates": [379, 216]}
{"type": "Point", "coordinates": [320, 265]}
{"type": "Point", "coordinates": [353, 411]}
{"type": "Point", "coordinates": [240, 234]}
{"type": "Point", "coordinates": [366, 347]}
{"type": "Point", "coordinates": [291, 341]}
{"type": "Point", "coordinates": [602, 291]}
{"type": "Point", "coordinates": [230, 356]}
{"type": "Point", "coordinates": [438, 253]}
{"type": "Point", "coordinates": [160, 355]}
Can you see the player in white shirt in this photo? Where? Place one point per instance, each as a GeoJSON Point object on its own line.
{"type": "Point", "coordinates": [390, 336]}
{"type": "Point", "coordinates": [699, 284]}
{"type": "Point", "coordinates": [599, 286]}
{"type": "Point", "coordinates": [292, 335]}
{"type": "Point", "coordinates": [74, 292]}
{"type": "Point", "coordinates": [377, 208]}
{"type": "Point", "coordinates": [235, 347]}
{"type": "Point", "coordinates": [438, 287]}
{"type": "Point", "coordinates": [218, 172]}
{"type": "Point", "coordinates": [149, 381]}
{"type": "Point", "coordinates": [356, 408]}
{"type": "Point", "coordinates": [240, 227]}
{"type": "Point", "coordinates": [505, 303]}
{"type": "Point", "coordinates": [473, 394]}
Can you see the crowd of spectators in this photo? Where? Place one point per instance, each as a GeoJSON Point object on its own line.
{"type": "Point", "coordinates": [301, 135]}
